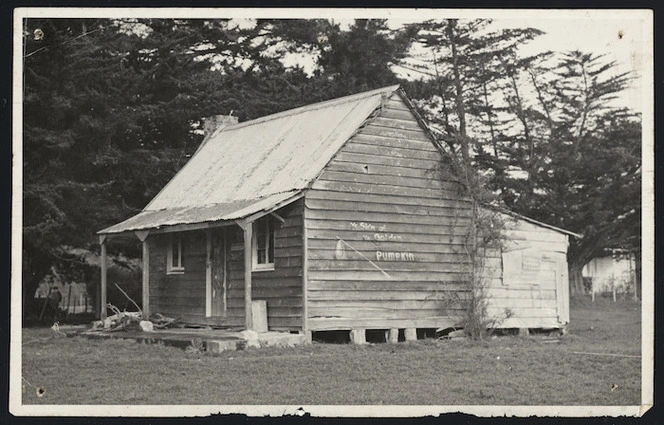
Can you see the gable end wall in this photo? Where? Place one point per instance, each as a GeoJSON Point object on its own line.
{"type": "Point", "coordinates": [385, 231]}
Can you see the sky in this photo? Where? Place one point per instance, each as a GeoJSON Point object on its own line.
{"type": "Point", "coordinates": [617, 34]}
{"type": "Point", "coordinates": [620, 39]}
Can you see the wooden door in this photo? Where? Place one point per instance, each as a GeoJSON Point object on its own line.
{"type": "Point", "coordinates": [219, 287]}
{"type": "Point", "coordinates": [556, 269]}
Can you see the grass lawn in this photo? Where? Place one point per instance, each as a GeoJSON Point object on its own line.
{"type": "Point", "coordinates": [502, 371]}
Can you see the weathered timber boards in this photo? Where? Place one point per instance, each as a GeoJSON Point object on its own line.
{"type": "Point", "coordinates": [363, 158]}
{"type": "Point", "coordinates": [288, 251]}
{"type": "Point", "coordinates": [235, 272]}
{"type": "Point", "coordinates": [396, 265]}
{"type": "Point", "coordinates": [281, 287]}
{"type": "Point", "coordinates": [370, 304]}
{"type": "Point", "coordinates": [184, 279]}
{"type": "Point", "coordinates": [410, 182]}
{"type": "Point", "coordinates": [396, 133]}
{"type": "Point", "coordinates": [374, 198]}
{"type": "Point", "coordinates": [277, 311]}
{"type": "Point", "coordinates": [531, 236]}
{"type": "Point", "coordinates": [392, 224]}
{"type": "Point", "coordinates": [327, 239]}
{"type": "Point", "coordinates": [398, 276]}
{"type": "Point", "coordinates": [286, 232]}
{"type": "Point", "coordinates": [391, 151]}
{"type": "Point", "coordinates": [327, 250]}
{"type": "Point", "coordinates": [385, 170]}
{"type": "Point", "coordinates": [181, 293]}
{"type": "Point", "coordinates": [455, 243]}
{"type": "Point", "coordinates": [376, 206]}
{"type": "Point", "coordinates": [395, 102]}
{"type": "Point", "coordinates": [431, 287]}
{"type": "Point", "coordinates": [266, 284]}
{"type": "Point", "coordinates": [508, 293]}
{"type": "Point", "coordinates": [386, 295]}
{"type": "Point", "coordinates": [385, 232]}
{"type": "Point", "coordinates": [279, 263]}
{"type": "Point", "coordinates": [394, 113]}
{"type": "Point", "coordinates": [305, 270]}
{"type": "Point", "coordinates": [370, 139]}
{"type": "Point", "coordinates": [356, 216]}
{"type": "Point", "coordinates": [280, 299]}
{"type": "Point", "coordinates": [547, 248]}
{"type": "Point", "coordinates": [177, 292]}
{"type": "Point", "coordinates": [179, 301]}
{"type": "Point", "coordinates": [422, 256]}
{"type": "Point", "coordinates": [369, 313]}
{"type": "Point", "coordinates": [498, 303]}
{"type": "Point", "coordinates": [382, 189]}
{"type": "Point", "coordinates": [332, 323]}
{"type": "Point", "coordinates": [397, 123]}
{"type": "Point", "coordinates": [286, 300]}
{"type": "Point", "coordinates": [294, 242]}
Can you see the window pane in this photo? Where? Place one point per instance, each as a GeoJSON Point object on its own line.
{"type": "Point", "coordinates": [270, 242]}
{"type": "Point", "coordinates": [181, 251]}
{"type": "Point", "coordinates": [264, 241]}
{"type": "Point", "coordinates": [175, 253]}
{"type": "Point", "coordinates": [261, 256]}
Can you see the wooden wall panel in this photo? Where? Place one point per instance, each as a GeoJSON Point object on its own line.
{"type": "Point", "coordinates": [385, 232]}
{"type": "Point", "coordinates": [178, 294]}
{"type": "Point", "coordinates": [532, 297]}
{"type": "Point", "coordinates": [281, 287]}
{"type": "Point", "coordinates": [183, 295]}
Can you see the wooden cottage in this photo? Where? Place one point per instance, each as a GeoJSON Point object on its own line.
{"type": "Point", "coordinates": [335, 216]}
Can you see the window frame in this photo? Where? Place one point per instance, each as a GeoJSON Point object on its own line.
{"type": "Point", "coordinates": [170, 267]}
{"type": "Point", "coordinates": [270, 233]}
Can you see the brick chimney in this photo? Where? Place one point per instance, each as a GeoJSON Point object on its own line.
{"type": "Point", "coordinates": [215, 122]}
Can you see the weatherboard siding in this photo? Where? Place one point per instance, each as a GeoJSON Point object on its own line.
{"type": "Point", "coordinates": [536, 296]}
{"type": "Point", "coordinates": [385, 231]}
{"type": "Point", "coordinates": [281, 287]}
{"type": "Point", "coordinates": [178, 295]}
{"type": "Point", "coordinates": [183, 295]}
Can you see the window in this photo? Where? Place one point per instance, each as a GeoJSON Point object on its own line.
{"type": "Point", "coordinates": [174, 257]}
{"type": "Point", "coordinates": [263, 244]}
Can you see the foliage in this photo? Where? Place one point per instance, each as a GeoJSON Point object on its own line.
{"type": "Point", "coordinates": [544, 130]}
{"type": "Point", "coordinates": [580, 156]}
{"type": "Point", "coordinates": [483, 237]}
{"type": "Point", "coordinates": [113, 108]}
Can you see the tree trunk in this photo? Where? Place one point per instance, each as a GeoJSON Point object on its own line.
{"type": "Point", "coordinates": [637, 270]}
{"type": "Point", "coordinates": [460, 105]}
{"type": "Point", "coordinates": [575, 279]}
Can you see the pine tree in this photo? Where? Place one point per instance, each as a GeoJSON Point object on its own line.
{"type": "Point", "coordinates": [463, 61]}
{"type": "Point", "coordinates": [110, 113]}
{"type": "Point", "coordinates": [574, 153]}
{"type": "Point", "coordinates": [113, 108]}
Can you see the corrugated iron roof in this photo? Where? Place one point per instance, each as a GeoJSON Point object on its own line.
{"type": "Point", "coordinates": [148, 219]}
{"type": "Point", "coordinates": [248, 165]}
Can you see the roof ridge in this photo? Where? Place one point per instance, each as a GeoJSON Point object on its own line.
{"type": "Point", "coordinates": [311, 107]}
